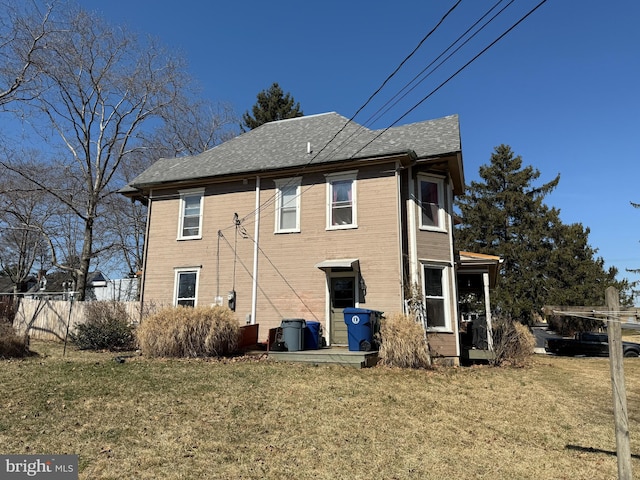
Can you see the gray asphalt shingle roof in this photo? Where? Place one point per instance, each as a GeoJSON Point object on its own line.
{"type": "Point", "coordinates": [283, 144]}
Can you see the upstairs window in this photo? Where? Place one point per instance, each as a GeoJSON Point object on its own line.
{"type": "Point", "coordinates": [341, 193]}
{"type": "Point", "coordinates": [431, 199]}
{"type": "Point", "coordinates": [190, 214]}
{"type": "Point", "coordinates": [288, 205]}
{"type": "Point", "coordinates": [186, 287]}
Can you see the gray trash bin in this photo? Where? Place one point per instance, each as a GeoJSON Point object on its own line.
{"type": "Point", "coordinates": [293, 334]}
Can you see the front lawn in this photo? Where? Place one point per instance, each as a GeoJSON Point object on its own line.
{"type": "Point", "coordinates": [196, 419]}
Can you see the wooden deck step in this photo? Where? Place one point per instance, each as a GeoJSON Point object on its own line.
{"type": "Point", "coordinates": [330, 355]}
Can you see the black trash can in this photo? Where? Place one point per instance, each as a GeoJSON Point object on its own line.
{"type": "Point", "coordinates": [293, 334]}
{"type": "Point", "coordinates": [362, 324]}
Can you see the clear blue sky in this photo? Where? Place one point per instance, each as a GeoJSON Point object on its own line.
{"type": "Point", "coordinates": [562, 89]}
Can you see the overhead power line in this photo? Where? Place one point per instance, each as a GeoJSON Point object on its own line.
{"type": "Point", "coordinates": [478, 55]}
{"type": "Point", "coordinates": [273, 197]}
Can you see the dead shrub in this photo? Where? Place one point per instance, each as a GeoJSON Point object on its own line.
{"type": "Point", "coordinates": [107, 327]}
{"type": "Point", "coordinates": [189, 332]}
{"type": "Point", "coordinates": [403, 343]}
{"type": "Point", "coordinates": [513, 343]}
{"type": "Point", "coordinates": [11, 345]}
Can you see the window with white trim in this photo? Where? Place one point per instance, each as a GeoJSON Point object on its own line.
{"type": "Point", "coordinates": [190, 225]}
{"type": "Point", "coordinates": [341, 200]}
{"type": "Point", "coordinates": [431, 200]}
{"type": "Point", "coordinates": [186, 287]}
{"type": "Point", "coordinates": [436, 297]}
{"type": "Point", "coordinates": [288, 205]}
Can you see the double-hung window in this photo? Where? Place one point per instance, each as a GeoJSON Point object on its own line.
{"type": "Point", "coordinates": [190, 224]}
{"type": "Point", "coordinates": [341, 200]}
{"type": "Point", "coordinates": [431, 199]}
{"type": "Point", "coordinates": [186, 287]}
{"type": "Point", "coordinates": [435, 284]}
{"type": "Point", "coordinates": [288, 205]}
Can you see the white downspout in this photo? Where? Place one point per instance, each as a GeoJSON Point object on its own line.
{"type": "Point", "coordinates": [256, 236]}
{"type": "Point", "coordinates": [401, 228]}
{"type": "Point", "coordinates": [413, 240]}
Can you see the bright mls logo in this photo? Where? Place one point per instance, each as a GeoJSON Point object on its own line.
{"type": "Point", "coordinates": [50, 467]}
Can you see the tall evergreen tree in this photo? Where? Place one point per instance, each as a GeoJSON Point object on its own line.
{"type": "Point", "coordinates": [545, 261]}
{"type": "Point", "coordinates": [272, 104]}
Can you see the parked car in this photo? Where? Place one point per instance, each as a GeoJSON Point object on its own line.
{"type": "Point", "coordinates": [591, 344]}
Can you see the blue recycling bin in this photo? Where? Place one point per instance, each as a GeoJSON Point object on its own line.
{"type": "Point", "coordinates": [293, 334]}
{"type": "Point", "coordinates": [311, 335]}
{"type": "Point", "coordinates": [362, 323]}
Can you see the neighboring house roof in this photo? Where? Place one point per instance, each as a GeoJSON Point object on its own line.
{"type": "Point", "coordinates": [55, 282]}
{"type": "Point", "coordinates": [7, 285]}
{"type": "Point", "coordinates": [284, 144]}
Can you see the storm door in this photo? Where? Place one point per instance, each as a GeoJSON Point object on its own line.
{"type": "Point", "coordinates": [342, 295]}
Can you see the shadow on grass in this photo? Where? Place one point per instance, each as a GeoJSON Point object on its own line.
{"type": "Point", "coordinates": [596, 450]}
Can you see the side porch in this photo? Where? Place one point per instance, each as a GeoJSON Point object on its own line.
{"type": "Point", "coordinates": [476, 274]}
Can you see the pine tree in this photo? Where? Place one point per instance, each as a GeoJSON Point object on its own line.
{"type": "Point", "coordinates": [272, 104]}
{"type": "Point", "coordinates": [545, 261]}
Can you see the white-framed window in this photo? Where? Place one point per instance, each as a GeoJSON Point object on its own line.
{"type": "Point", "coordinates": [288, 205]}
{"type": "Point", "coordinates": [431, 201]}
{"type": "Point", "coordinates": [435, 284]}
{"type": "Point", "coordinates": [186, 286]}
{"type": "Point", "coordinates": [342, 200]}
{"type": "Point", "coordinates": [190, 224]}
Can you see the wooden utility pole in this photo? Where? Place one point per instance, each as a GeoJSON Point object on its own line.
{"type": "Point", "coordinates": [614, 331]}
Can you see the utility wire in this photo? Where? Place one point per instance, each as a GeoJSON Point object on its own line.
{"type": "Point", "coordinates": [283, 277]}
{"type": "Point", "coordinates": [379, 113]}
{"type": "Point", "coordinates": [272, 199]}
{"type": "Point", "coordinates": [376, 92]}
{"type": "Point", "coordinates": [246, 269]}
{"type": "Point", "coordinates": [238, 222]}
{"type": "Point", "coordinates": [484, 50]}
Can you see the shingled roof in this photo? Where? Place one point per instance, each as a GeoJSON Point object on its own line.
{"type": "Point", "coordinates": [284, 144]}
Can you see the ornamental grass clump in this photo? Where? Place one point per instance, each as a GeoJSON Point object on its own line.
{"type": "Point", "coordinates": [189, 332]}
{"type": "Point", "coordinates": [403, 343]}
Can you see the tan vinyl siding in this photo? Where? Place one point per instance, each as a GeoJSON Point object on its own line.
{"type": "Point", "coordinates": [289, 285]}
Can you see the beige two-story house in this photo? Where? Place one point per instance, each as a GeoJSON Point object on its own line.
{"type": "Point", "coordinates": [302, 218]}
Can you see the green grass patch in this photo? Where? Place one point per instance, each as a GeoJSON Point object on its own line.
{"type": "Point", "coordinates": [229, 419]}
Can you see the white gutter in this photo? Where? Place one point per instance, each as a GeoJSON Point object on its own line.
{"type": "Point", "coordinates": [256, 236]}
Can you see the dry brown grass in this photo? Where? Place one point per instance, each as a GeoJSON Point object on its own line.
{"type": "Point", "coordinates": [403, 343]}
{"type": "Point", "coordinates": [225, 419]}
{"type": "Point", "coordinates": [189, 332]}
{"type": "Point", "coordinates": [11, 345]}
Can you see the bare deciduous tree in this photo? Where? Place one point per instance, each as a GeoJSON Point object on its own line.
{"type": "Point", "coordinates": [102, 86]}
{"type": "Point", "coordinates": [24, 31]}
{"type": "Point", "coordinates": [23, 213]}
{"type": "Point", "coordinates": [189, 127]}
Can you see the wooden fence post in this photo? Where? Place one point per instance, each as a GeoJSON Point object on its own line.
{"type": "Point", "coordinates": [614, 331]}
